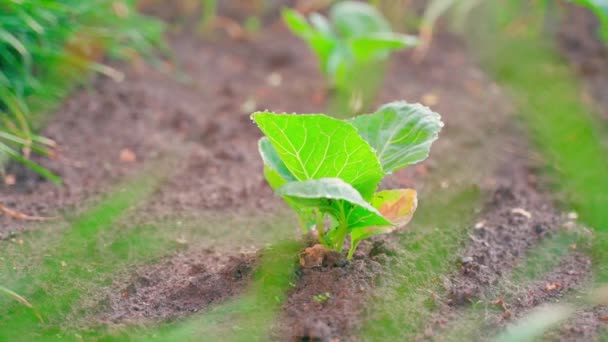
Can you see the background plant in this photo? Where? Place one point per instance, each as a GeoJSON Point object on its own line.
{"type": "Point", "coordinates": [45, 45]}
{"type": "Point", "coordinates": [600, 9]}
{"type": "Point", "coordinates": [351, 45]}
{"type": "Point", "coordinates": [329, 168]}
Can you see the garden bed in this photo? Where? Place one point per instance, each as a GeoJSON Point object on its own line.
{"type": "Point", "coordinates": [195, 111]}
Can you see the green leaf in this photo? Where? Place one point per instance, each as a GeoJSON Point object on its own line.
{"type": "Point", "coordinates": [320, 38]}
{"type": "Point", "coordinates": [315, 146]}
{"type": "Point", "coordinates": [273, 163]}
{"type": "Point", "coordinates": [30, 164]}
{"type": "Point", "coordinates": [377, 46]}
{"type": "Point", "coordinates": [298, 24]}
{"type": "Point", "coordinates": [336, 197]}
{"type": "Point", "coordinates": [401, 133]}
{"type": "Point", "coordinates": [354, 18]}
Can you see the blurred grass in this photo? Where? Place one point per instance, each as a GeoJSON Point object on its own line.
{"type": "Point", "coordinates": [472, 322]}
{"type": "Point", "coordinates": [513, 45]}
{"type": "Point", "coordinates": [85, 255]}
{"type": "Point", "coordinates": [248, 317]}
{"type": "Point", "coordinates": [47, 47]}
{"type": "Point", "coordinates": [428, 251]}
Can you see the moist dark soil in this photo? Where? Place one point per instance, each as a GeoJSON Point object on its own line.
{"type": "Point", "coordinates": [177, 287]}
{"type": "Point", "coordinates": [573, 272]}
{"type": "Point", "coordinates": [585, 326]}
{"type": "Point", "coordinates": [92, 128]}
{"type": "Point", "coordinates": [579, 41]}
{"type": "Point", "coordinates": [517, 217]}
{"type": "Point", "coordinates": [327, 301]}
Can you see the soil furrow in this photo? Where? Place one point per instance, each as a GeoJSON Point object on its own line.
{"type": "Point", "coordinates": [180, 286]}
{"type": "Point", "coordinates": [516, 219]}
{"type": "Point", "coordinates": [579, 42]}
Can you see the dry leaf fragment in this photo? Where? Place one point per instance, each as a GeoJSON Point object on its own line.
{"type": "Point", "coordinates": [19, 215]}
{"type": "Point", "coordinates": [552, 286]}
{"type": "Point", "coordinates": [522, 212]}
{"type": "Point", "coordinates": [10, 179]}
{"type": "Point", "coordinates": [430, 99]}
{"type": "Point", "coordinates": [127, 156]}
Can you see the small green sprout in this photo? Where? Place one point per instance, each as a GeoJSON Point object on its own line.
{"type": "Point", "coordinates": [329, 168]}
{"type": "Point", "coordinates": [355, 35]}
{"type": "Point", "coordinates": [321, 297]}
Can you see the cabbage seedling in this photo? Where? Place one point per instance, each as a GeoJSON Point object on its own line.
{"type": "Point", "coordinates": [329, 168]}
{"type": "Point", "coordinates": [354, 36]}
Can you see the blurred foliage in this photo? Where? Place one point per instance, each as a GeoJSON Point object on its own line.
{"type": "Point", "coordinates": [600, 9]}
{"type": "Point", "coordinates": [45, 46]}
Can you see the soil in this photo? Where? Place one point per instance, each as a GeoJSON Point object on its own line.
{"type": "Point", "coordinates": [572, 273]}
{"type": "Point", "coordinates": [177, 287]}
{"type": "Point", "coordinates": [92, 128]}
{"type": "Point", "coordinates": [197, 107]}
{"type": "Point", "coordinates": [585, 326]}
{"type": "Point", "coordinates": [327, 301]}
{"type": "Point", "coordinates": [516, 218]}
{"type": "Point", "coordinates": [579, 41]}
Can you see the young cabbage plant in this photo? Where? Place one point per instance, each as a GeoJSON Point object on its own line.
{"type": "Point", "coordinates": [354, 36]}
{"type": "Point", "coordinates": [329, 168]}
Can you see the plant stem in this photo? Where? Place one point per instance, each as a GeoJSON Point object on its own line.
{"type": "Point", "coordinates": [352, 249]}
{"type": "Point", "coordinates": [302, 223]}
{"type": "Point", "coordinates": [340, 236]}
{"type": "Point", "coordinates": [321, 230]}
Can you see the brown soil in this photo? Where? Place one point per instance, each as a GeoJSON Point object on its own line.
{"type": "Point", "coordinates": [176, 287]}
{"type": "Point", "coordinates": [585, 326]}
{"type": "Point", "coordinates": [92, 127]}
{"type": "Point", "coordinates": [579, 41]}
{"type": "Point", "coordinates": [327, 301]}
{"type": "Point", "coordinates": [516, 218]}
{"type": "Point", "coordinates": [573, 272]}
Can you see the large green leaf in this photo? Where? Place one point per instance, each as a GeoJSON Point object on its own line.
{"type": "Point", "coordinates": [401, 133]}
{"type": "Point", "coordinates": [315, 146]}
{"type": "Point", "coordinates": [273, 164]}
{"type": "Point", "coordinates": [336, 197]}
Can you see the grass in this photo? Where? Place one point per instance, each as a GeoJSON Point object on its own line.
{"type": "Point", "coordinates": [471, 323]}
{"type": "Point", "coordinates": [567, 133]}
{"type": "Point", "coordinates": [44, 48]}
{"type": "Point", "coordinates": [249, 317]}
{"type": "Point", "coordinates": [83, 257]}
{"type": "Point", "coordinates": [428, 251]}
{"type": "Point", "coordinates": [63, 268]}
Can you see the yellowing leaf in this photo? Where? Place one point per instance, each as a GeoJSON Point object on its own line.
{"type": "Point", "coordinates": [397, 206]}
